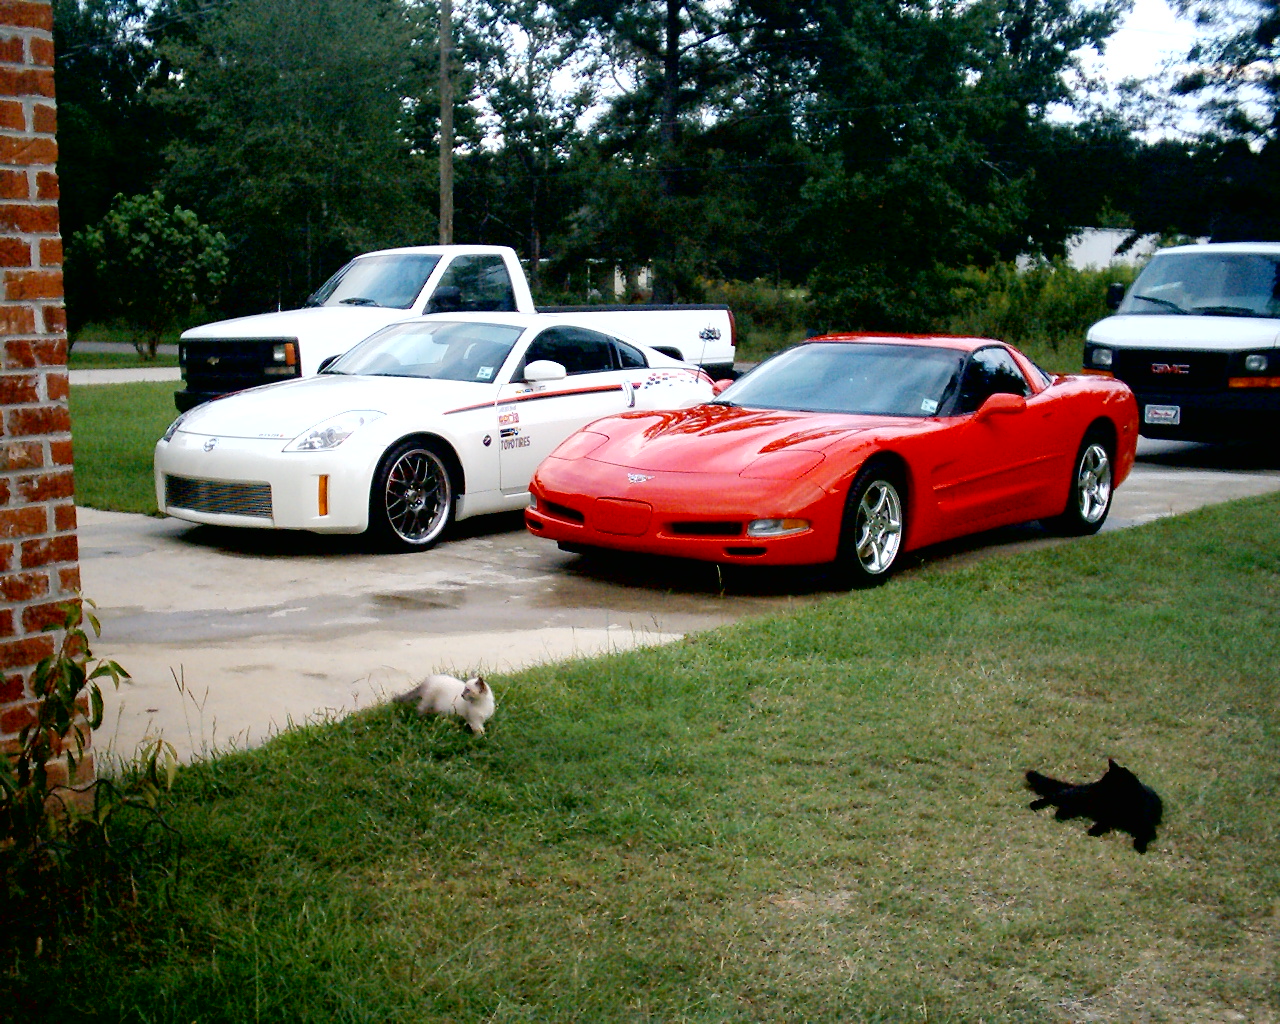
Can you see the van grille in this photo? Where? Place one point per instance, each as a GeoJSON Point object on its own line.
{"type": "Point", "coordinates": [218, 497]}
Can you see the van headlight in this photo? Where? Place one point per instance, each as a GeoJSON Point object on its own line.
{"type": "Point", "coordinates": [1256, 363]}
{"type": "Point", "coordinates": [330, 433]}
{"type": "Point", "coordinates": [1101, 357]}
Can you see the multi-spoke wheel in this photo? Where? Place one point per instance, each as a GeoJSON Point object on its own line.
{"type": "Point", "coordinates": [411, 501]}
{"type": "Point", "coordinates": [1089, 500]}
{"type": "Point", "coordinates": [874, 521]}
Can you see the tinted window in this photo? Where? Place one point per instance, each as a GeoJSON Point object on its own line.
{"type": "Point", "coordinates": [483, 285]}
{"type": "Point", "coordinates": [576, 349]}
{"type": "Point", "coordinates": [629, 356]}
{"type": "Point", "coordinates": [990, 371]}
{"type": "Point", "coordinates": [393, 281]}
{"type": "Point", "coordinates": [433, 349]}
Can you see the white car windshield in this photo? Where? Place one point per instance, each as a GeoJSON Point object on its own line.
{"type": "Point", "coordinates": [1207, 284]}
{"type": "Point", "coordinates": [851, 377]}
{"type": "Point", "coordinates": [439, 350]}
{"type": "Point", "coordinates": [393, 281]}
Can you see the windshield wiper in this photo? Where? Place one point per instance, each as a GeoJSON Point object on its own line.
{"type": "Point", "coordinates": [1162, 302]}
{"type": "Point", "coordinates": [358, 300]}
{"type": "Point", "coordinates": [1224, 311]}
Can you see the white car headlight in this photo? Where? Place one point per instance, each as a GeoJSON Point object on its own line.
{"type": "Point", "coordinates": [173, 427]}
{"type": "Point", "coordinates": [332, 432]}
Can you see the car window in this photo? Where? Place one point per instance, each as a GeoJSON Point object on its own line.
{"type": "Point", "coordinates": [433, 349]}
{"type": "Point", "coordinates": [393, 280]}
{"type": "Point", "coordinates": [629, 356]}
{"type": "Point", "coordinates": [576, 349]}
{"type": "Point", "coordinates": [990, 371]}
{"type": "Point", "coordinates": [483, 285]}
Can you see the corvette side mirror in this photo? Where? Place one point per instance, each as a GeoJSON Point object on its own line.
{"type": "Point", "coordinates": [1001, 403]}
{"type": "Point", "coordinates": [544, 369]}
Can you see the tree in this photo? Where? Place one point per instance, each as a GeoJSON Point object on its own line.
{"type": "Point", "coordinates": [293, 142]}
{"type": "Point", "coordinates": [153, 264]}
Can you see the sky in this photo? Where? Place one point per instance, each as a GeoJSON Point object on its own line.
{"type": "Point", "coordinates": [1150, 34]}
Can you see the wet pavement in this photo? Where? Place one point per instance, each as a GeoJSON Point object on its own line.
{"type": "Point", "coordinates": [231, 635]}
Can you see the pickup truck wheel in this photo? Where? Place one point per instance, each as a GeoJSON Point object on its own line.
{"type": "Point", "coordinates": [1089, 499]}
{"type": "Point", "coordinates": [412, 498]}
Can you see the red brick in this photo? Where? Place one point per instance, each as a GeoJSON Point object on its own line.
{"type": "Point", "coordinates": [41, 52]}
{"type": "Point", "coordinates": [29, 422]}
{"type": "Point", "coordinates": [29, 651]}
{"type": "Point", "coordinates": [47, 185]}
{"type": "Point", "coordinates": [51, 252]}
{"type": "Point", "coordinates": [22, 455]}
{"type": "Point", "coordinates": [55, 317]}
{"type": "Point", "coordinates": [15, 82]}
{"type": "Point", "coordinates": [15, 252]}
{"type": "Point", "coordinates": [17, 320]}
{"type": "Point", "coordinates": [46, 486]}
{"type": "Point", "coordinates": [26, 14]}
{"type": "Point", "coordinates": [69, 579]}
{"type": "Point", "coordinates": [13, 116]}
{"type": "Point", "coordinates": [57, 776]}
{"type": "Point", "coordinates": [12, 688]}
{"type": "Point", "coordinates": [17, 717]}
{"type": "Point", "coordinates": [57, 386]}
{"type": "Point", "coordinates": [39, 616]}
{"type": "Point", "coordinates": [13, 184]}
{"type": "Point", "coordinates": [4, 491]}
{"type": "Point", "coordinates": [24, 522]}
{"type": "Point", "coordinates": [36, 553]}
{"type": "Point", "coordinates": [33, 284]}
{"type": "Point", "coordinates": [60, 452]}
{"type": "Point", "coordinates": [6, 622]}
{"type": "Point", "coordinates": [26, 355]}
{"type": "Point", "coordinates": [6, 557]}
{"type": "Point", "coordinates": [13, 50]}
{"type": "Point", "coordinates": [30, 220]}
{"type": "Point", "coordinates": [19, 388]}
{"type": "Point", "coordinates": [23, 587]}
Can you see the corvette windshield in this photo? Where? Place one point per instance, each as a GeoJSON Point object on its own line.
{"type": "Point", "coordinates": [393, 281]}
{"type": "Point", "coordinates": [870, 379]}
{"type": "Point", "coordinates": [1207, 284]}
{"type": "Point", "coordinates": [431, 349]}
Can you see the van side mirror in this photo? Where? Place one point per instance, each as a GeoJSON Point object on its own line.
{"type": "Point", "coordinates": [1115, 295]}
{"type": "Point", "coordinates": [446, 299]}
{"type": "Point", "coordinates": [544, 370]}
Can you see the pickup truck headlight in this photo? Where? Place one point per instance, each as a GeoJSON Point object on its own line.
{"type": "Point", "coordinates": [330, 433]}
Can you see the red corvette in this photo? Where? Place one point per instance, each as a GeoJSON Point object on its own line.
{"type": "Point", "coordinates": [848, 449]}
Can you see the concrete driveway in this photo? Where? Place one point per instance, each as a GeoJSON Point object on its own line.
{"type": "Point", "coordinates": [232, 635]}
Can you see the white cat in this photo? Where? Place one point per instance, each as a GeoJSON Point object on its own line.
{"type": "Point", "coordinates": [471, 701]}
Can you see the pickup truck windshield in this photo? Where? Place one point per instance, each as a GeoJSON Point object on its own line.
{"type": "Point", "coordinates": [393, 281]}
{"type": "Point", "coordinates": [1207, 284]}
{"type": "Point", "coordinates": [431, 349]}
{"type": "Point", "coordinates": [887, 380]}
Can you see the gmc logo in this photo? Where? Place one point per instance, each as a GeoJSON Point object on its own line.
{"type": "Point", "coordinates": [1159, 369]}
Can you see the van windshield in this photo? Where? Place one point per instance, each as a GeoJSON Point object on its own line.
{"type": "Point", "coordinates": [1207, 284]}
{"type": "Point", "coordinates": [393, 281]}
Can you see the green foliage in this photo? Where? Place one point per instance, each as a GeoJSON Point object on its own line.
{"type": "Point", "coordinates": [1048, 304]}
{"type": "Point", "coordinates": [58, 858]}
{"type": "Point", "coordinates": [153, 264]}
{"type": "Point", "coordinates": [766, 317]}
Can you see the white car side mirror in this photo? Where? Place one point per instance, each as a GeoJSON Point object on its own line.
{"type": "Point", "coordinates": [544, 369]}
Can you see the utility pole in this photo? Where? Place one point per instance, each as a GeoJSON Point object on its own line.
{"type": "Point", "coordinates": [446, 122]}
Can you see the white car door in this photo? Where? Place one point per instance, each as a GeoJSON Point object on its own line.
{"type": "Point", "coordinates": [535, 417]}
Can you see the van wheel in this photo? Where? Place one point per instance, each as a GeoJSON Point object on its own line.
{"type": "Point", "coordinates": [412, 497]}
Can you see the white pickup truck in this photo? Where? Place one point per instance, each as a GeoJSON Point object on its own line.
{"type": "Point", "coordinates": [380, 288]}
{"type": "Point", "coordinates": [1197, 338]}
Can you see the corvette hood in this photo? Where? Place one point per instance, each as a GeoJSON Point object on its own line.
{"type": "Point", "coordinates": [720, 439]}
{"type": "Point", "coordinates": [285, 410]}
{"type": "Point", "coordinates": [351, 321]}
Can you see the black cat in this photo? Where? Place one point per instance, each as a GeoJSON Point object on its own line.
{"type": "Point", "coordinates": [1116, 801]}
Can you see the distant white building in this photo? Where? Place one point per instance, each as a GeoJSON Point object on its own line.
{"type": "Point", "coordinates": [1095, 248]}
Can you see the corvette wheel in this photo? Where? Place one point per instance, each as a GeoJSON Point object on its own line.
{"type": "Point", "coordinates": [1089, 500]}
{"type": "Point", "coordinates": [874, 522]}
{"type": "Point", "coordinates": [411, 501]}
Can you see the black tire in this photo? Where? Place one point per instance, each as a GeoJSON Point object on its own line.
{"type": "Point", "coordinates": [411, 501]}
{"type": "Point", "coordinates": [875, 523]}
{"type": "Point", "coordinates": [1089, 498]}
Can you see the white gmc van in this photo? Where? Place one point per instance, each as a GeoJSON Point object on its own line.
{"type": "Point", "coordinates": [1197, 338]}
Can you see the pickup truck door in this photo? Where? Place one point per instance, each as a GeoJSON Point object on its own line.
{"type": "Point", "coordinates": [534, 418]}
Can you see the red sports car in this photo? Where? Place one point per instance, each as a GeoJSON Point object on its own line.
{"type": "Point", "coordinates": [848, 449]}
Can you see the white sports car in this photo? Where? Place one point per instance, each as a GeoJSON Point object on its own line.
{"type": "Point", "coordinates": [428, 420]}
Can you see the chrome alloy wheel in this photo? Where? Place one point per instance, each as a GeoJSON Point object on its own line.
{"type": "Point", "coordinates": [418, 496]}
{"type": "Point", "coordinates": [878, 527]}
{"type": "Point", "coordinates": [1093, 483]}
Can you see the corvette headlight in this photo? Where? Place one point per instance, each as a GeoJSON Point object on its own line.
{"type": "Point", "coordinates": [332, 432]}
{"type": "Point", "coordinates": [776, 527]}
{"type": "Point", "coordinates": [173, 427]}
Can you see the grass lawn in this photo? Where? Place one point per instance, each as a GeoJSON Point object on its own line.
{"type": "Point", "coordinates": [114, 429]}
{"type": "Point", "coordinates": [815, 817]}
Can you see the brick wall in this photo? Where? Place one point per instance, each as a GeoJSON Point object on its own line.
{"type": "Point", "coordinates": [39, 566]}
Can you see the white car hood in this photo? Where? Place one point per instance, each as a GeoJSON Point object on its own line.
{"type": "Point", "coordinates": [285, 410]}
{"type": "Point", "coordinates": [1206, 333]}
{"type": "Point", "coordinates": [351, 321]}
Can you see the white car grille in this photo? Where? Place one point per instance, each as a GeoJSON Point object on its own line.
{"type": "Point", "coordinates": [218, 496]}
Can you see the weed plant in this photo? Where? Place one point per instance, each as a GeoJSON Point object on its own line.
{"type": "Point", "coordinates": [815, 817]}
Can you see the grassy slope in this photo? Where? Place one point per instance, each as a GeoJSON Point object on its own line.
{"type": "Point", "coordinates": [816, 817]}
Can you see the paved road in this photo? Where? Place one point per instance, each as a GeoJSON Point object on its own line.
{"type": "Point", "coordinates": [232, 634]}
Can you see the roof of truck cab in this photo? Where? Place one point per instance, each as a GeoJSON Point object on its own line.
{"type": "Point", "coordinates": [438, 250]}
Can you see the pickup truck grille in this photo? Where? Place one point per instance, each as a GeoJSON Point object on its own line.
{"type": "Point", "coordinates": [1165, 370]}
{"type": "Point", "coordinates": [218, 497]}
{"type": "Point", "coordinates": [233, 364]}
